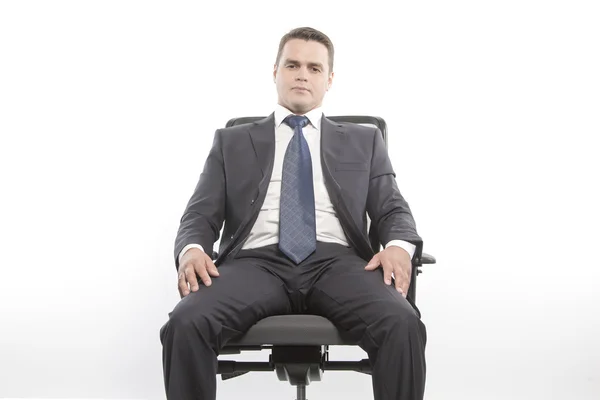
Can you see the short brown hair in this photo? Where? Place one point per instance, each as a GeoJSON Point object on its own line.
{"type": "Point", "coordinates": [307, 34]}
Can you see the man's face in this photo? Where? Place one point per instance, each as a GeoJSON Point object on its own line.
{"type": "Point", "coordinates": [302, 76]}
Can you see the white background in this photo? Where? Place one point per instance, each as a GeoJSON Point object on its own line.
{"type": "Point", "coordinates": [107, 109]}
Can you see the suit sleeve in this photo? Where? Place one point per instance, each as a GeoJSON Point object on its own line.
{"type": "Point", "coordinates": [385, 204]}
{"type": "Point", "coordinates": [204, 214]}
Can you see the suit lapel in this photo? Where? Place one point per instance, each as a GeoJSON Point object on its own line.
{"type": "Point", "coordinates": [333, 140]}
{"type": "Point", "coordinates": [262, 137]}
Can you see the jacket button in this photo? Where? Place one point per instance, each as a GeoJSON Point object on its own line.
{"type": "Point", "coordinates": [251, 201]}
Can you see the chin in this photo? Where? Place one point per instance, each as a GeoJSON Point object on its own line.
{"type": "Point", "coordinates": [300, 108]}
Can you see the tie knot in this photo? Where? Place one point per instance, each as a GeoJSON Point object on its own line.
{"type": "Point", "coordinates": [296, 120]}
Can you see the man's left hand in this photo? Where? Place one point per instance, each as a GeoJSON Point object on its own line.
{"type": "Point", "coordinates": [397, 260]}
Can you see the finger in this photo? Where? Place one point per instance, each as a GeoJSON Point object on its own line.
{"type": "Point", "coordinates": [387, 274]}
{"type": "Point", "coordinates": [408, 277]}
{"type": "Point", "coordinates": [211, 268]}
{"type": "Point", "coordinates": [400, 278]}
{"type": "Point", "coordinates": [402, 282]}
{"type": "Point", "coordinates": [203, 274]}
{"type": "Point", "coordinates": [182, 285]}
{"type": "Point", "coordinates": [373, 264]}
{"type": "Point", "coordinates": [405, 287]}
{"type": "Point", "coordinates": [190, 275]}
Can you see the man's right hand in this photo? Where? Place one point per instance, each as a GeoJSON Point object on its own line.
{"type": "Point", "coordinates": [195, 263]}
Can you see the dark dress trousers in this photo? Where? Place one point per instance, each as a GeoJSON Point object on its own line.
{"type": "Point", "coordinates": [261, 282]}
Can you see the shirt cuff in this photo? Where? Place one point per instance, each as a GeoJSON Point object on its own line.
{"type": "Point", "coordinates": [409, 247]}
{"type": "Point", "coordinates": [186, 248]}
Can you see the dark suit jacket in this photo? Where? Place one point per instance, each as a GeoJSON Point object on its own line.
{"type": "Point", "coordinates": [358, 176]}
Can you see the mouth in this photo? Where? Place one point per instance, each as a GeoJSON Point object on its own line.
{"type": "Point", "coordinates": [300, 89]}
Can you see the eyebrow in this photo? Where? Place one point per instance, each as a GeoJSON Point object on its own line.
{"type": "Point", "coordinates": [296, 62]}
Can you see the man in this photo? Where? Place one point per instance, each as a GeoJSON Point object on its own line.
{"type": "Point", "coordinates": [293, 190]}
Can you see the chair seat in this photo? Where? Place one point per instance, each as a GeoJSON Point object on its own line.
{"type": "Point", "coordinates": [293, 330]}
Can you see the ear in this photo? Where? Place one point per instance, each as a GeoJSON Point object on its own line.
{"type": "Point", "coordinates": [274, 72]}
{"type": "Point", "coordinates": [330, 81]}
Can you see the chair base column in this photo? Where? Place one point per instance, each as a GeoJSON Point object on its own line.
{"type": "Point", "coordinates": [299, 365]}
{"type": "Point", "coordinates": [301, 392]}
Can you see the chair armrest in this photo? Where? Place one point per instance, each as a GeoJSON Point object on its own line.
{"type": "Point", "coordinates": [427, 259]}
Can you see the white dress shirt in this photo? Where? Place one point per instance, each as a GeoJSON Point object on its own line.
{"type": "Point", "coordinates": [266, 228]}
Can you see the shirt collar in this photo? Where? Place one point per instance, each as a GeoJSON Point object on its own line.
{"type": "Point", "coordinates": [314, 116]}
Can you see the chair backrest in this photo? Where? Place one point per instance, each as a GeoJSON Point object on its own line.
{"type": "Point", "coordinates": [367, 120]}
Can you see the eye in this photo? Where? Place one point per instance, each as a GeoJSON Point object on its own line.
{"type": "Point", "coordinates": [290, 66]}
{"type": "Point", "coordinates": [315, 69]}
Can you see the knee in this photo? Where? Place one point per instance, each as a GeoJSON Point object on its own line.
{"type": "Point", "coordinates": [185, 320]}
{"type": "Point", "coordinates": [401, 322]}
{"type": "Point", "coordinates": [407, 320]}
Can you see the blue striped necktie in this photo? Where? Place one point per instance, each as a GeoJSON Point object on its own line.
{"type": "Point", "coordinates": [297, 233]}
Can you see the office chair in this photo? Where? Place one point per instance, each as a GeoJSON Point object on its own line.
{"type": "Point", "coordinates": [299, 344]}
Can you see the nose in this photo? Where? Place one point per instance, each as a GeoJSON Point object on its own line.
{"type": "Point", "coordinates": [301, 76]}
